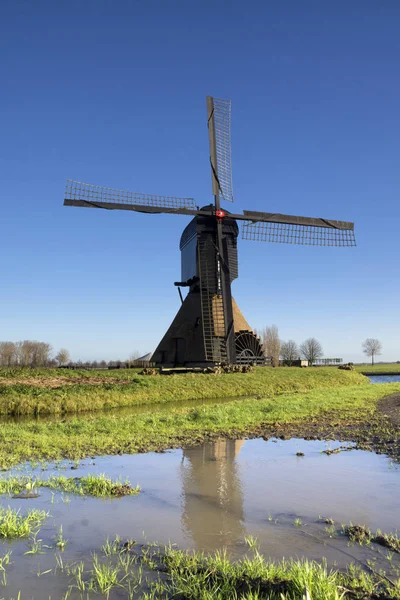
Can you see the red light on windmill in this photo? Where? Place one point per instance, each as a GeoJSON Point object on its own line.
{"type": "Point", "coordinates": [220, 214]}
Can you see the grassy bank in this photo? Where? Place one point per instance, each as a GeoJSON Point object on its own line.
{"type": "Point", "coordinates": [111, 434]}
{"type": "Point", "coordinates": [52, 391]}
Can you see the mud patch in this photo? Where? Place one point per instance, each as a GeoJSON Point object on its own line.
{"type": "Point", "coordinates": [390, 408]}
{"type": "Point", "coordinates": [363, 535]}
{"type": "Point", "coordinates": [380, 434]}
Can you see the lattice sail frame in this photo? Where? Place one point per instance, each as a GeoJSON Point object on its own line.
{"type": "Point", "coordinates": [222, 120]}
{"type": "Point", "coordinates": [289, 233]}
{"type": "Point", "coordinates": [76, 190]}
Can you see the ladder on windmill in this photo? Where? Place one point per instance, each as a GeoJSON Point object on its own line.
{"type": "Point", "coordinates": [211, 307]}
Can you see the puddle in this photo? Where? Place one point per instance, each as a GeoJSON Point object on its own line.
{"type": "Point", "coordinates": [211, 496]}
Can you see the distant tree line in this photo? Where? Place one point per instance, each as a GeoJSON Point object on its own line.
{"type": "Point", "coordinates": [288, 351]}
{"type": "Point", "coordinates": [26, 353]}
{"type": "Point", "coordinates": [29, 353]}
{"type": "Point", "coordinates": [100, 364]}
{"type": "Point", "coordinates": [310, 349]}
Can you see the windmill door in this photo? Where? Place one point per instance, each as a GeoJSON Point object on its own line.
{"type": "Point", "coordinates": [180, 348]}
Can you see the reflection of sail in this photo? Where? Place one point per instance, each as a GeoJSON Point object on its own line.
{"type": "Point", "coordinates": [212, 511]}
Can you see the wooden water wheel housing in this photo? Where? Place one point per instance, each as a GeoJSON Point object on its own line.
{"type": "Point", "coordinates": [249, 350]}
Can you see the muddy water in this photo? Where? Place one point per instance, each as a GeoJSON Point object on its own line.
{"type": "Point", "coordinates": [384, 378]}
{"type": "Point", "coordinates": [211, 496]}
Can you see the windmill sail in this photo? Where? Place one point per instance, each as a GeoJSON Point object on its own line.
{"type": "Point", "coordinates": [289, 229]}
{"type": "Point", "coordinates": [85, 194]}
{"type": "Point", "coordinates": [219, 125]}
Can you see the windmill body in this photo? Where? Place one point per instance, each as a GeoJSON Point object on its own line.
{"type": "Point", "coordinates": [196, 336]}
{"type": "Point", "coordinates": [209, 328]}
{"type": "Point", "coordinates": [202, 231]}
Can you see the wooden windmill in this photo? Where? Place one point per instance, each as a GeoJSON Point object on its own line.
{"type": "Point", "coordinates": [209, 328]}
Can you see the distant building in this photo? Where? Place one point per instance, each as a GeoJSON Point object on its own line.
{"type": "Point", "coordinates": [326, 362]}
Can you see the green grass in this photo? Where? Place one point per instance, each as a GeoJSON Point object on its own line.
{"type": "Point", "coordinates": [93, 485]}
{"type": "Point", "coordinates": [24, 392]}
{"type": "Point", "coordinates": [380, 368]}
{"type": "Point", "coordinates": [4, 562]}
{"type": "Point", "coordinates": [15, 525]}
{"type": "Point", "coordinates": [110, 434]}
{"type": "Point", "coordinates": [194, 576]}
{"type": "Point", "coordinates": [154, 572]}
{"type": "Point", "coordinates": [60, 541]}
{"type": "Point", "coordinates": [28, 373]}
{"type": "Point", "coordinates": [105, 576]}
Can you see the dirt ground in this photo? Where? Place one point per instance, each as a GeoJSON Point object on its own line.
{"type": "Point", "coordinates": [381, 434]}
{"type": "Point", "coordinates": [390, 408]}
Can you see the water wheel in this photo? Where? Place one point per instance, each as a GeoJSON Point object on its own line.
{"type": "Point", "coordinates": [249, 350]}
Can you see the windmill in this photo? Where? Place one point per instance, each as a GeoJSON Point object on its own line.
{"type": "Point", "coordinates": [209, 328]}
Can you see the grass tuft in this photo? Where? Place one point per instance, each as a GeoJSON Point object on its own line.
{"type": "Point", "coordinates": [195, 576]}
{"type": "Point", "coordinates": [92, 485]}
{"type": "Point", "coordinates": [363, 535]}
{"type": "Point", "coordinates": [15, 525]}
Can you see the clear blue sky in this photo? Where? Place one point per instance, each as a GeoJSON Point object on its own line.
{"type": "Point", "coordinates": [113, 93]}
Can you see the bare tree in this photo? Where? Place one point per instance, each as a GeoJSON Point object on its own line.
{"type": "Point", "coordinates": [18, 355]}
{"type": "Point", "coordinates": [134, 356]}
{"type": "Point", "coordinates": [289, 352]}
{"type": "Point", "coordinates": [25, 354]}
{"type": "Point", "coordinates": [33, 354]}
{"type": "Point", "coordinates": [63, 357]}
{"type": "Point", "coordinates": [371, 347]}
{"type": "Point", "coordinates": [8, 354]}
{"type": "Point", "coordinates": [311, 349]}
{"type": "Point", "coordinates": [271, 343]}
{"type": "Point", "coordinates": [40, 354]}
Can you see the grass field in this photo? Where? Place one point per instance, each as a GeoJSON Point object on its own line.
{"type": "Point", "coordinates": [56, 391]}
{"type": "Point", "coordinates": [110, 434]}
{"type": "Point", "coordinates": [380, 368]}
{"type": "Point", "coordinates": [47, 374]}
{"type": "Point", "coordinates": [266, 398]}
